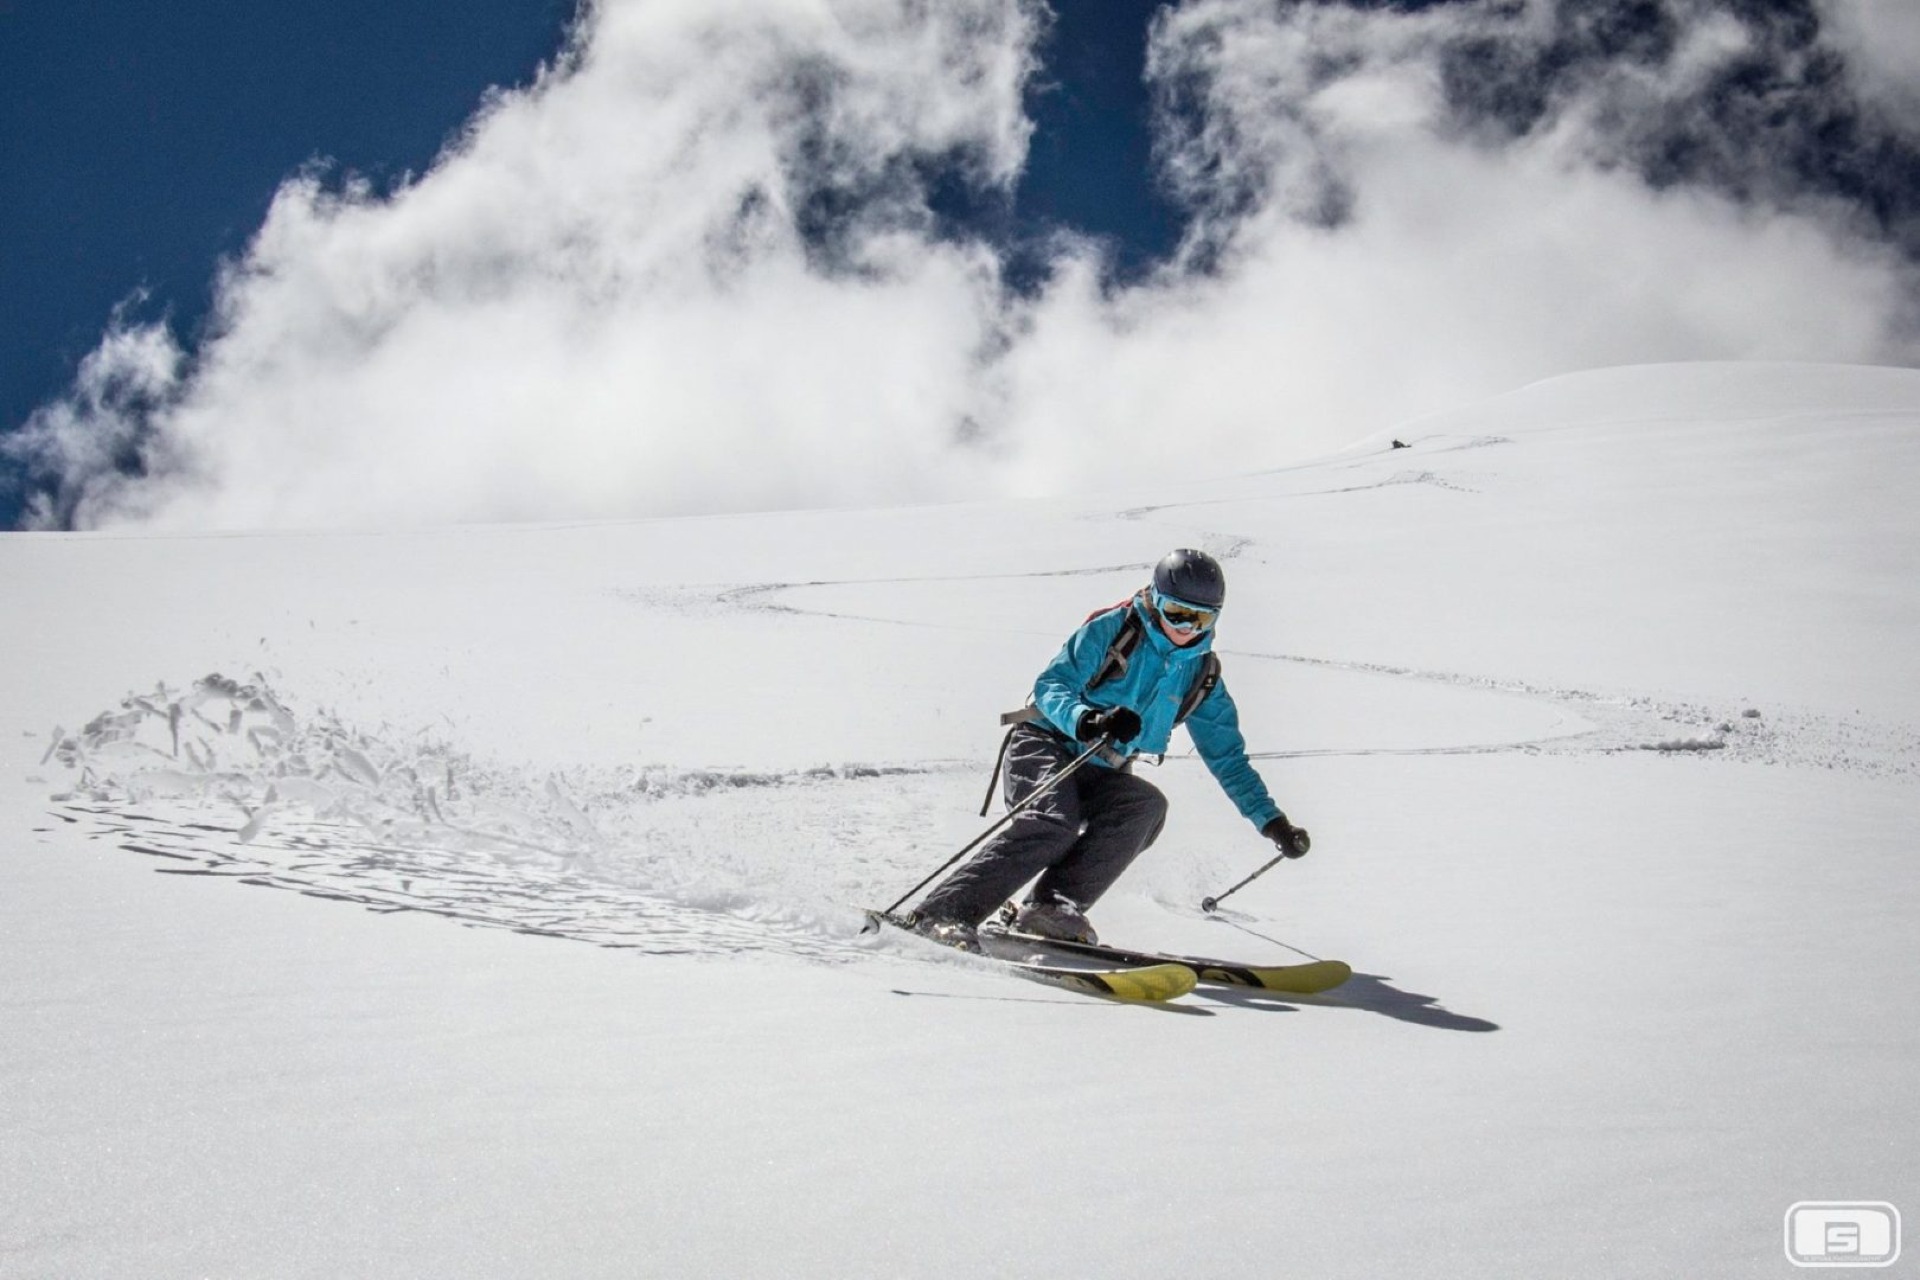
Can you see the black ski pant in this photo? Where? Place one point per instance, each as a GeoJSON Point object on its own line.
{"type": "Point", "coordinates": [1078, 838]}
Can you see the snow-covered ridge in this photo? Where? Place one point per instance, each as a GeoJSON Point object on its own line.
{"type": "Point", "coordinates": [1721, 393]}
{"type": "Point", "coordinates": [670, 836]}
{"type": "Point", "coordinates": [1598, 700]}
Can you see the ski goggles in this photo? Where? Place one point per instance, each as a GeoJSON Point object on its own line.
{"type": "Point", "coordinates": [1182, 616]}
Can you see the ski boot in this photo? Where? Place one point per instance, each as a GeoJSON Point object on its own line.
{"type": "Point", "coordinates": [957, 934]}
{"type": "Point", "coordinates": [1056, 920]}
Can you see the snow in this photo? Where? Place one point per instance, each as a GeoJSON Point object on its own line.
{"type": "Point", "coordinates": [1598, 699]}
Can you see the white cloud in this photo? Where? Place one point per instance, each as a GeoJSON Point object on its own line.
{"type": "Point", "coordinates": [1881, 42]}
{"type": "Point", "coordinates": [94, 430]}
{"type": "Point", "coordinates": [600, 302]}
{"type": "Point", "coordinates": [615, 295]}
{"type": "Point", "coordinates": [1457, 268]}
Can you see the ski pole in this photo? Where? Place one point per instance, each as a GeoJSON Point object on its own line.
{"type": "Point", "coordinates": [1065, 771]}
{"type": "Point", "coordinates": [1208, 904]}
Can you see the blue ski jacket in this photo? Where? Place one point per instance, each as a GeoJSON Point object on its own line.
{"type": "Point", "coordinates": [1156, 680]}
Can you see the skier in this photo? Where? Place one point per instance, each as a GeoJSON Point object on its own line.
{"type": "Point", "coordinates": [1124, 680]}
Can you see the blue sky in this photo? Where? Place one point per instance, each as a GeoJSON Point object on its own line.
{"type": "Point", "coordinates": [1280, 224]}
{"type": "Point", "coordinates": [145, 142]}
{"type": "Point", "coordinates": [142, 142]}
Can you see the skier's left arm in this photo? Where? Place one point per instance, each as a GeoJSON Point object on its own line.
{"type": "Point", "coordinates": [1215, 727]}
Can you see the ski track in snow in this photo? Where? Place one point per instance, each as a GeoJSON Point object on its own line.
{"type": "Point", "coordinates": [1620, 721]}
{"type": "Point", "coordinates": [223, 780]}
{"type": "Point", "coordinates": [1624, 722]}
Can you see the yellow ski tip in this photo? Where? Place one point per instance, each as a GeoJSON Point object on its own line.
{"type": "Point", "coordinates": [1147, 982]}
{"type": "Point", "coordinates": [1303, 979]}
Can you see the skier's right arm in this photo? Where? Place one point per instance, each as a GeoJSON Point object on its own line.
{"type": "Point", "coordinates": [1060, 692]}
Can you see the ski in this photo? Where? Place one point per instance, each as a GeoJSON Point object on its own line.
{"type": "Point", "coordinates": [1152, 982]}
{"type": "Point", "coordinates": [1294, 979]}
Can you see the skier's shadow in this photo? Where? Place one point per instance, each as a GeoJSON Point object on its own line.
{"type": "Point", "coordinates": [1369, 991]}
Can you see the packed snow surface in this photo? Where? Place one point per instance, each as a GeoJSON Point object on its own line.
{"type": "Point", "coordinates": [1599, 700]}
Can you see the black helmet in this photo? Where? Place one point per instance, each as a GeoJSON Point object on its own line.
{"type": "Point", "coordinates": [1192, 576]}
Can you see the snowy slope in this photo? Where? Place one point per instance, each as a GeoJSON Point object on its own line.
{"type": "Point", "coordinates": [1598, 698]}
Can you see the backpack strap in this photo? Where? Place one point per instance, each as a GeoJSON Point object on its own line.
{"type": "Point", "coordinates": [1120, 653]}
{"type": "Point", "coordinates": [1013, 720]}
{"type": "Point", "coordinates": [1202, 686]}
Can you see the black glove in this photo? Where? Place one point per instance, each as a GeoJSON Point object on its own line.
{"type": "Point", "coordinates": [1291, 840]}
{"type": "Point", "coordinates": [1118, 723]}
